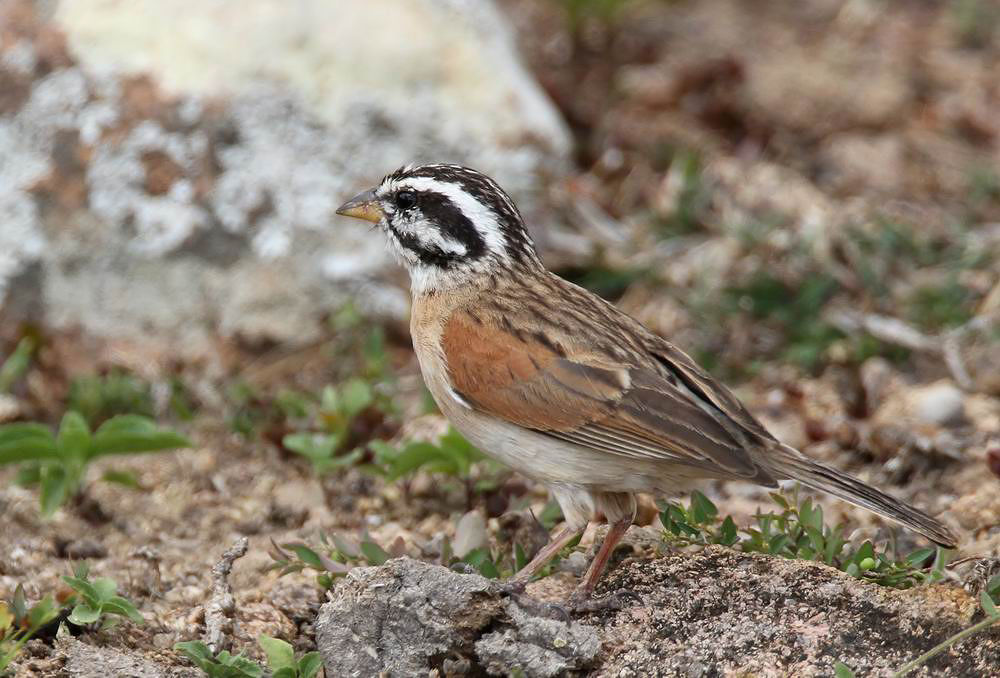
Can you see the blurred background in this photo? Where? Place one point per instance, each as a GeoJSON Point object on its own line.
{"type": "Point", "coordinates": [805, 196]}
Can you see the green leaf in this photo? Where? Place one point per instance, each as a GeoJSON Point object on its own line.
{"type": "Point", "coordinates": [55, 488]}
{"type": "Point", "coordinates": [310, 664]}
{"type": "Point", "coordinates": [18, 604]}
{"type": "Point", "coordinates": [28, 448]}
{"type": "Point", "coordinates": [42, 612]}
{"type": "Point", "coordinates": [919, 557]}
{"type": "Point", "coordinates": [73, 439]}
{"type": "Point", "coordinates": [780, 500]}
{"type": "Point", "coordinates": [286, 672]}
{"type": "Point", "coordinates": [130, 442]}
{"type": "Point", "coordinates": [198, 653]}
{"type": "Point", "coordinates": [520, 557]}
{"type": "Point", "coordinates": [280, 654]}
{"type": "Point", "coordinates": [124, 608]}
{"type": "Point", "coordinates": [704, 510]}
{"type": "Point", "coordinates": [28, 475]}
{"type": "Point", "coordinates": [306, 555]}
{"type": "Point", "coordinates": [86, 589]}
{"type": "Point", "coordinates": [842, 670]}
{"type": "Point", "coordinates": [373, 553]}
{"type": "Point", "coordinates": [106, 588]}
{"type": "Point", "coordinates": [127, 423]}
{"type": "Point", "coordinates": [355, 395]}
{"type": "Point", "coordinates": [16, 363]}
{"type": "Point", "coordinates": [989, 607]}
{"type": "Point", "coordinates": [413, 457]}
{"type": "Point", "coordinates": [84, 614]}
{"type": "Point", "coordinates": [727, 532]}
{"type": "Point", "coordinates": [119, 477]}
{"type": "Point", "coordinates": [23, 431]}
{"type": "Point", "coordinates": [481, 559]}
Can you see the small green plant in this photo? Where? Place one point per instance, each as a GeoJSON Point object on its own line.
{"type": "Point", "coordinates": [988, 600]}
{"type": "Point", "coordinates": [337, 409]}
{"type": "Point", "coordinates": [98, 601]}
{"type": "Point", "coordinates": [692, 196]}
{"type": "Point", "coordinates": [17, 363]}
{"type": "Point", "coordinates": [798, 532]}
{"type": "Point", "coordinates": [283, 663]}
{"type": "Point", "coordinates": [793, 310]}
{"type": "Point", "coordinates": [452, 455]}
{"type": "Point", "coordinates": [58, 463]}
{"type": "Point", "coordinates": [19, 623]}
{"type": "Point", "coordinates": [281, 660]}
{"type": "Point", "coordinates": [333, 558]}
{"type": "Point", "coordinates": [221, 665]}
{"type": "Point", "coordinates": [99, 398]}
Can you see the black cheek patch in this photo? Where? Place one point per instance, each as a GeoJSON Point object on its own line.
{"type": "Point", "coordinates": [442, 212]}
{"type": "Point", "coordinates": [429, 256]}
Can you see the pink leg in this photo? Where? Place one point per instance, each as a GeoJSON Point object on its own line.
{"type": "Point", "coordinates": [564, 536]}
{"type": "Point", "coordinates": [600, 561]}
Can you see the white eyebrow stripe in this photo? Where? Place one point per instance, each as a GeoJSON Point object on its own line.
{"type": "Point", "coordinates": [483, 219]}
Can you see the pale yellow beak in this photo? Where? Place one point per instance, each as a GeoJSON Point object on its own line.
{"type": "Point", "coordinates": [363, 206]}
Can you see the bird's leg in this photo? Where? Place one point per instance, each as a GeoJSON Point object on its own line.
{"type": "Point", "coordinates": [600, 561]}
{"type": "Point", "coordinates": [565, 535]}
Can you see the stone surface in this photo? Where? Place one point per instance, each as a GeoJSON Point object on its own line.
{"type": "Point", "coordinates": [407, 618]}
{"type": "Point", "coordinates": [87, 661]}
{"type": "Point", "coordinates": [163, 177]}
{"type": "Point", "coordinates": [711, 612]}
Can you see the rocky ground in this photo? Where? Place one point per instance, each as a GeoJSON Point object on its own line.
{"type": "Point", "coordinates": [804, 197]}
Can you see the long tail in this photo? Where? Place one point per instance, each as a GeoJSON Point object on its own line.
{"type": "Point", "coordinates": [792, 464]}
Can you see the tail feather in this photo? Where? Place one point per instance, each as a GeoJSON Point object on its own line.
{"type": "Point", "coordinates": [828, 479]}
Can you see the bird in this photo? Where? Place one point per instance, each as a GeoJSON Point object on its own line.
{"type": "Point", "coordinates": [561, 385]}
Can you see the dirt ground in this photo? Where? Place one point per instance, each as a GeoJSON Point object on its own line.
{"type": "Point", "coordinates": [805, 124]}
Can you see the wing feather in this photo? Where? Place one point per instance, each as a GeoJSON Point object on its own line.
{"type": "Point", "coordinates": [552, 382]}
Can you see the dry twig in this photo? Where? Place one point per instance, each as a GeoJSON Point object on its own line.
{"type": "Point", "coordinates": [217, 612]}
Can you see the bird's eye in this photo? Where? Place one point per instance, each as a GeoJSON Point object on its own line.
{"type": "Point", "coordinates": [406, 199]}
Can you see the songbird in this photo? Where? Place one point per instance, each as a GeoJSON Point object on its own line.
{"type": "Point", "coordinates": [559, 384]}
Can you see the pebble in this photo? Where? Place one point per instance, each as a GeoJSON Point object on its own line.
{"type": "Point", "coordinates": [939, 404]}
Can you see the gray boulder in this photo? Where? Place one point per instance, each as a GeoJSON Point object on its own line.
{"type": "Point", "coordinates": [170, 168]}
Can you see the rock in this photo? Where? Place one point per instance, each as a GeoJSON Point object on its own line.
{"type": "Point", "coordinates": [940, 403]}
{"type": "Point", "coordinates": [710, 612]}
{"type": "Point", "coordinates": [171, 168]}
{"type": "Point", "coordinates": [404, 618]}
{"type": "Point", "coordinates": [748, 614]}
{"type": "Point", "coordinates": [88, 661]}
{"type": "Point", "coordinates": [537, 645]}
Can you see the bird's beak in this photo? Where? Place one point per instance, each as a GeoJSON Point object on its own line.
{"type": "Point", "coordinates": [363, 206]}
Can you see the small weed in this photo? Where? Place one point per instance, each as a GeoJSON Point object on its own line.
{"type": "Point", "coordinates": [221, 665]}
{"type": "Point", "coordinates": [17, 363]}
{"type": "Point", "coordinates": [98, 398]}
{"type": "Point", "coordinates": [333, 558]}
{"type": "Point", "coordinates": [793, 310]}
{"type": "Point", "coordinates": [19, 623]}
{"type": "Point", "coordinates": [452, 455]}
{"type": "Point", "coordinates": [281, 660]}
{"type": "Point", "coordinates": [692, 196]}
{"type": "Point", "coordinates": [934, 307]}
{"type": "Point", "coordinates": [98, 601]}
{"type": "Point", "coordinates": [283, 663]}
{"type": "Point", "coordinates": [58, 463]}
{"type": "Point", "coordinates": [334, 415]}
{"type": "Point", "coordinates": [798, 532]}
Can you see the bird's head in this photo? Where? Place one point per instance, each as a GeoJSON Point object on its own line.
{"type": "Point", "coordinates": [446, 223]}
